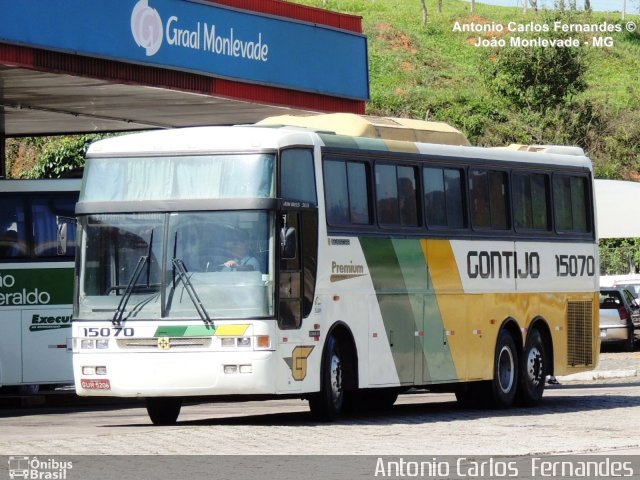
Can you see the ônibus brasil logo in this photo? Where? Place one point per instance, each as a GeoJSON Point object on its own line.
{"type": "Point", "coordinates": [146, 27]}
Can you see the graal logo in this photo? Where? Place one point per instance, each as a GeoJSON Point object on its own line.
{"type": "Point", "coordinates": [146, 27]}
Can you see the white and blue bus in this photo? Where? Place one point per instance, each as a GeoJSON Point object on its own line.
{"type": "Point", "coordinates": [336, 258]}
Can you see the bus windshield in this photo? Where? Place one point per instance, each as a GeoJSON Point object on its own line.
{"type": "Point", "coordinates": [178, 178]}
{"type": "Point", "coordinates": [179, 265]}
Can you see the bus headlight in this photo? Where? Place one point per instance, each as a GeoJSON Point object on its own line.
{"type": "Point", "coordinates": [259, 342]}
{"type": "Point", "coordinates": [91, 344]}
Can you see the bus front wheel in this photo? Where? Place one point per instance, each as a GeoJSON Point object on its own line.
{"type": "Point", "coordinates": [328, 403]}
{"type": "Point", "coordinates": [164, 410]}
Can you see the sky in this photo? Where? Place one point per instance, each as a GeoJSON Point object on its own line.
{"type": "Point", "coordinates": [601, 5]}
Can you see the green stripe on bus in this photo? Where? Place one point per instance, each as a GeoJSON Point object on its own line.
{"type": "Point", "coordinates": [402, 283]}
{"type": "Point", "coordinates": [394, 303]}
{"type": "Point", "coordinates": [338, 141]}
{"type": "Point", "coordinates": [436, 355]}
{"type": "Point", "coordinates": [185, 331]}
{"type": "Point", "coordinates": [371, 144]}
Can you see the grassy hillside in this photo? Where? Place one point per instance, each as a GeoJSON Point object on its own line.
{"type": "Point", "coordinates": [430, 71]}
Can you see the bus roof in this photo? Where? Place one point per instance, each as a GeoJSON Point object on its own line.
{"type": "Point", "coordinates": [385, 128]}
{"type": "Point", "coordinates": [43, 185]}
{"type": "Point", "coordinates": [556, 149]}
{"type": "Point", "coordinates": [331, 130]}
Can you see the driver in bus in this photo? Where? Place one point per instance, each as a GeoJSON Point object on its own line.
{"type": "Point", "coordinates": [242, 259]}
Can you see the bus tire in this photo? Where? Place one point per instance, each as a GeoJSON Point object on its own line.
{"type": "Point", "coordinates": [328, 404]}
{"type": "Point", "coordinates": [164, 410]}
{"type": "Point", "coordinates": [504, 385]}
{"type": "Point", "coordinates": [533, 370]}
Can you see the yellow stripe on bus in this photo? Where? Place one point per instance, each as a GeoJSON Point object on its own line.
{"type": "Point", "coordinates": [231, 330]}
{"type": "Point", "coordinates": [472, 321]}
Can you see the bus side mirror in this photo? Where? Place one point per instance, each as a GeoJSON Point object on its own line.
{"type": "Point", "coordinates": [288, 243]}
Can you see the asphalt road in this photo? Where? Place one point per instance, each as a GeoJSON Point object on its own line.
{"type": "Point", "coordinates": [582, 418]}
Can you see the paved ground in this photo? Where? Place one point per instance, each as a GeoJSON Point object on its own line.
{"type": "Point", "coordinates": [579, 416]}
{"type": "Point", "coordinates": [613, 367]}
{"type": "Point", "coordinates": [587, 413]}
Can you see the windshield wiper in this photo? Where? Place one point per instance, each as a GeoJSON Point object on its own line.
{"type": "Point", "coordinates": [178, 264]}
{"type": "Point", "coordinates": [117, 317]}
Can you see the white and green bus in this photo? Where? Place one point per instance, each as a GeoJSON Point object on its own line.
{"type": "Point", "coordinates": [336, 258]}
{"type": "Point", "coordinates": [37, 250]}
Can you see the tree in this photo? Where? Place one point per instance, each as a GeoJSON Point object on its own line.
{"type": "Point", "coordinates": [536, 78]}
{"type": "Point", "coordinates": [62, 156]}
{"type": "Point", "coordinates": [425, 13]}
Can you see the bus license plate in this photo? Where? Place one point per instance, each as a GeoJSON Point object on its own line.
{"type": "Point", "coordinates": [95, 384]}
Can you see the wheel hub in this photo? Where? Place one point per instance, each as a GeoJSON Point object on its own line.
{"type": "Point", "coordinates": [534, 366]}
{"type": "Point", "coordinates": [506, 369]}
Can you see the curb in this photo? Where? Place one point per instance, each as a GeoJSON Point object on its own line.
{"type": "Point", "coordinates": [599, 375]}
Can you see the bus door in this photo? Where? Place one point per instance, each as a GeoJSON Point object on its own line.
{"type": "Point", "coordinates": [297, 263]}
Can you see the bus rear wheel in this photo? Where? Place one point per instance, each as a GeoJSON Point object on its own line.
{"type": "Point", "coordinates": [533, 370]}
{"type": "Point", "coordinates": [504, 385]}
{"type": "Point", "coordinates": [164, 410]}
{"type": "Point", "coordinates": [329, 402]}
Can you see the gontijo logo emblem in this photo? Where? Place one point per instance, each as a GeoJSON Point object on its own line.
{"type": "Point", "coordinates": [146, 27]}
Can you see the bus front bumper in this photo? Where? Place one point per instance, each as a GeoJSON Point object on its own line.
{"type": "Point", "coordinates": [175, 373]}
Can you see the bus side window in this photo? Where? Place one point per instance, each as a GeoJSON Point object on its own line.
{"type": "Point", "coordinates": [489, 199]}
{"type": "Point", "coordinates": [13, 241]}
{"type": "Point", "coordinates": [347, 194]}
{"type": "Point", "coordinates": [297, 181]}
{"type": "Point", "coordinates": [444, 197]}
{"type": "Point", "coordinates": [396, 195]}
{"type": "Point", "coordinates": [51, 216]}
{"type": "Point", "coordinates": [530, 206]}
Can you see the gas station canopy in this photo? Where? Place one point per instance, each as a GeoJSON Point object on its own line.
{"type": "Point", "coordinates": [78, 66]}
